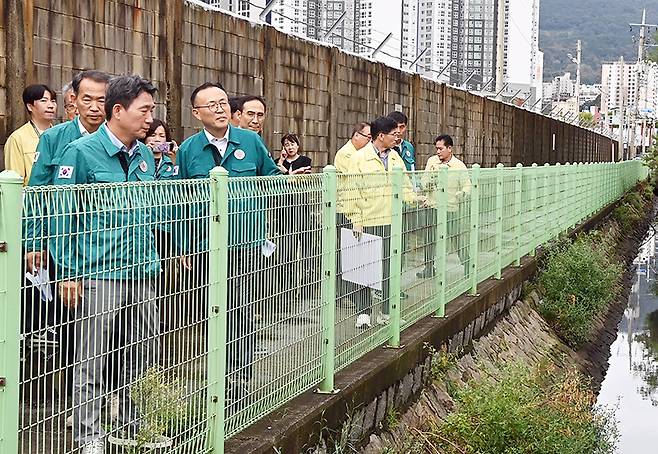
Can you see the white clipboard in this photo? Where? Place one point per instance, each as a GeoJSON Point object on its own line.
{"type": "Point", "coordinates": [361, 259]}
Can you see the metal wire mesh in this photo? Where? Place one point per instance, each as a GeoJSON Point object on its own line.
{"type": "Point", "coordinates": [274, 336]}
{"type": "Point", "coordinates": [113, 327]}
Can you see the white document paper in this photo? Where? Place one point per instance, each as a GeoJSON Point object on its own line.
{"type": "Point", "coordinates": [268, 248]}
{"type": "Point", "coordinates": [361, 259]}
{"type": "Point", "coordinates": [40, 281]}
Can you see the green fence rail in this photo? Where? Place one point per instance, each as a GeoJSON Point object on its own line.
{"type": "Point", "coordinates": [185, 311]}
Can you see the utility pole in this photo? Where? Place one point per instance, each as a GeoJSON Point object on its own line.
{"type": "Point", "coordinates": [577, 60]}
{"type": "Point", "coordinates": [500, 49]}
{"type": "Point", "coordinates": [639, 69]}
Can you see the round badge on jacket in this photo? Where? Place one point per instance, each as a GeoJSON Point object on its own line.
{"type": "Point", "coordinates": [239, 154]}
{"type": "Point", "coordinates": [408, 153]}
{"type": "Point", "coordinates": [143, 166]}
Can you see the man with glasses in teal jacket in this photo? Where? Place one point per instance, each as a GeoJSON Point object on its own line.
{"type": "Point", "coordinates": [243, 154]}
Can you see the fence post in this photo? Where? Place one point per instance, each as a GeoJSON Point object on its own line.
{"type": "Point", "coordinates": [576, 175]}
{"type": "Point", "coordinates": [395, 274]}
{"type": "Point", "coordinates": [328, 290]}
{"type": "Point", "coordinates": [500, 171]}
{"type": "Point", "coordinates": [518, 221]}
{"type": "Point", "coordinates": [217, 310]}
{"type": "Point", "coordinates": [11, 186]}
{"type": "Point", "coordinates": [546, 232]}
{"type": "Point", "coordinates": [564, 202]}
{"type": "Point", "coordinates": [534, 171]}
{"type": "Point", "coordinates": [441, 252]}
{"type": "Point", "coordinates": [475, 228]}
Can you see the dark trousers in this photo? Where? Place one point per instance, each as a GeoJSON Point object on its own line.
{"type": "Point", "coordinates": [457, 237]}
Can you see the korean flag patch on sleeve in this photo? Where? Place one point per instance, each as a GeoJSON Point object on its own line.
{"type": "Point", "coordinates": [65, 172]}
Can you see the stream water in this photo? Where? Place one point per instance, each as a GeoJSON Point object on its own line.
{"type": "Point", "coordinates": [631, 383]}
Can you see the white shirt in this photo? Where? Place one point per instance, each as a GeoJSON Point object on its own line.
{"type": "Point", "coordinates": [220, 144]}
{"type": "Point", "coordinates": [83, 130]}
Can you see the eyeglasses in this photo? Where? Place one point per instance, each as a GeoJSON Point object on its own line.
{"type": "Point", "coordinates": [367, 136]}
{"type": "Point", "coordinates": [216, 107]}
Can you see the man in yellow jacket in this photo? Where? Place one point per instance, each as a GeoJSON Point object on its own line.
{"type": "Point", "coordinates": [371, 210]}
{"type": "Point", "coordinates": [21, 147]}
{"type": "Point", "coordinates": [459, 187]}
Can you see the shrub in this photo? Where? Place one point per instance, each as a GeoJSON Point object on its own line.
{"type": "Point", "coordinates": [525, 411]}
{"type": "Point", "coordinates": [578, 280]}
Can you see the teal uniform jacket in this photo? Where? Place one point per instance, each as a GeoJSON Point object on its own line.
{"type": "Point", "coordinates": [106, 233]}
{"type": "Point", "coordinates": [165, 171]}
{"type": "Point", "coordinates": [246, 156]}
{"type": "Point", "coordinates": [408, 154]}
{"type": "Point", "coordinates": [51, 145]}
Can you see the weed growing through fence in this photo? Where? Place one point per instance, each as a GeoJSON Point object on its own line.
{"type": "Point", "coordinates": [161, 403]}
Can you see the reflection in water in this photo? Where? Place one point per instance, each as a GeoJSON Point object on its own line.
{"type": "Point", "coordinates": [631, 383]}
{"type": "Point", "coordinates": [647, 367]}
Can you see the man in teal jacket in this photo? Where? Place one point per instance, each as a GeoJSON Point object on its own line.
{"type": "Point", "coordinates": [109, 258]}
{"type": "Point", "coordinates": [89, 87]}
{"type": "Point", "coordinates": [243, 154]}
{"type": "Point", "coordinates": [404, 148]}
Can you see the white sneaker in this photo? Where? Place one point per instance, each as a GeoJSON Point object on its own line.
{"type": "Point", "coordinates": [69, 421]}
{"type": "Point", "coordinates": [94, 447]}
{"type": "Point", "coordinates": [383, 319]}
{"type": "Point", "coordinates": [363, 321]}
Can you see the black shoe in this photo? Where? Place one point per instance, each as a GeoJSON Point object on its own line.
{"type": "Point", "coordinates": [426, 273]}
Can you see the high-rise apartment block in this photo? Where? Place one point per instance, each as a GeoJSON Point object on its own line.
{"type": "Point", "coordinates": [448, 40]}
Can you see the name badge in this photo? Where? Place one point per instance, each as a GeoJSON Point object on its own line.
{"type": "Point", "coordinates": [36, 156]}
{"type": "Point", "coordinates": [239, 154]}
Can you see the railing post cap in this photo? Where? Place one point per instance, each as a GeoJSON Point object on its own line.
{"type": "Point", "coordinates": [475, 166]}
{"type": "Point", "coordinates": [519, 165]}
{"type": "Point", "coordinates": [534, 164]}
{"type": "Point", "coordinates": [329, 169]}
{"type": "Point", "coordinates": [557, 164]}
{"type": "Point", "coordinates": [500, 165]}
{"type": "Point", "coordinates": [10, 176]}
{"type": "Point", "coordinates": [546, 164]}
{"type": "Point", "coordinates": [218, 171]}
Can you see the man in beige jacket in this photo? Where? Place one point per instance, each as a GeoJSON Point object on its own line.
{"type": "Point", "coordinates": [459, 187]}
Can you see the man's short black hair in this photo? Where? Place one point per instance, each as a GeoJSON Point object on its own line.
{"type": "Point", "coordinates": [399, 117]}
{"type": "Point", "coordinates": [245, 99]}
{"type": "Point", "coordinates": [445, 138]}
{"type": "Point", "coordinates": [33, 93]}
{"type": "Point", "coordinates": [93, 74]}
{"type": "Point", "coordinates": [382, 125]}
{"type": "Point", "coordinates": [234, 102]}
{"type": "Point", "coordinates": [203, 87]}
{"type": "Point", "coordinates": [123, 90]}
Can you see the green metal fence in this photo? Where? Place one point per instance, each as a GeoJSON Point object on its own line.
{"type": "Point", "coordinates": [185, 311]}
